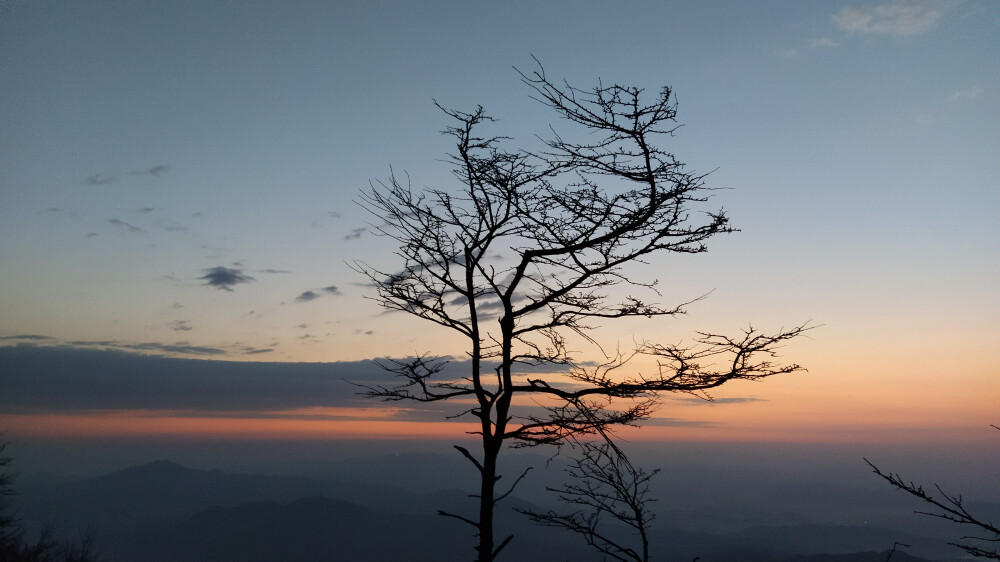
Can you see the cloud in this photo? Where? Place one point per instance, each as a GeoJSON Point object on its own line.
{"type": "Point", "coordinates": [155, 171]}
{"type": "Point", "coordinates": [105, 178]}
{"type": "Point", "coordinates": [312, 295]}
{"type": "Point", "coordinates": [735, 400]}
{"type": "Point", "coordinates": [269, 270]}
{"type": "Point", "coordinates": [116, 346]}
{"type": "Point", "coordinates": [180, 326]}
{"type": "Point", "coordinates": [125, 225]}
{"type": "Point", "coordinates": [100, 179]}
{"type": "Point", "coordinates": [51, 379]}
{"type": "Point", "coordinates": [225, 278]}
{"type": "Point", "coordinates": [180, 347]}
{"type": "Point", "coordinates": [676, 422]}
{"type": "Point", "coordinates": [320, 222]}
{"type": "Point", "coordinates": [898, 18]}
{"type": "Point", "coordinates": [40, 379]}
{"type": "Point", "coordinates": [27, 337]}
{"type": "Point", "coordinates": [355, 234]}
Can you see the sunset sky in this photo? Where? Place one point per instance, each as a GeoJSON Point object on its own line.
{"type": "Point", "coordinates": [178, 179]}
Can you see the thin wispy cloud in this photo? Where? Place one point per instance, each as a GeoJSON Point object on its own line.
{"type": "Point", "coordinates": [181, 326]}
{"type": "Point", "coordinates": [898, 18]}
{"type": "Point", "coordinates": [735, 400]}
{"type": "Point", "coordinates": [179, 347]}
{"type": "Point", "coordinates": [124, 225]}
{"type": "Point", "coordinates": [155, 171]}
{"type": "Point", "coordinates": [321, 222]}
{"type": "Point", "coordinates": [100, 179]}
{"type": "Point", "coordinates": [970, 94]}
{"type": "Point", "coordinates": [311, 295]}
{"type": "Point", "coordinates": [105, 178]}
{"type": "Point", "coordinates": [355, 234]}
{"type": "Point", "coordinates": [26, 338]}
{"type": "Point", "coordinates": [225, 278]}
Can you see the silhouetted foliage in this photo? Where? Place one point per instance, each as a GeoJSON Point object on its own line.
{"type": "Point", "coordinates": [951, 508]}
{"type": "Point", "coordinates": [9, 532]}
{"type": "Point", "coordinates": [536, 241]}
{"type": "Point", "coordinates": [14, 548]}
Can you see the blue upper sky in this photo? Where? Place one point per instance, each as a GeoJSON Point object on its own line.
{"type": "Point", "coordinates": [180, 176]}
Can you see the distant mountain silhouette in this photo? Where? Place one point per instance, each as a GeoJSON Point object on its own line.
{"type": "Point", "coordinates": [162, 511]}
{"type": "Point", "coordinates": [867, 556]}
{"type": "Point", "coordinates": [160, 490]}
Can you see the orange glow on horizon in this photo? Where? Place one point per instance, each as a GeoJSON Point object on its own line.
{"type": "Point", "coordinates": [321, 424]}
{"type": "Point", "coordinates": [166, 424]}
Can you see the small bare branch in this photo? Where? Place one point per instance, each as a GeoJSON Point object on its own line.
{"type": "Point", "coordinates": [951, 508]}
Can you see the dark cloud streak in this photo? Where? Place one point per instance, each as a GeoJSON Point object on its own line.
{"type": "Point", "coordinates": [100, 179]}
{"type": "Point", "coordinates": [125, 225]}
{"type": "Point", "coordinates": [355, 234]}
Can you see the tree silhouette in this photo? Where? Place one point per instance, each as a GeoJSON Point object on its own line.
{"type": "Point", "coordinates": [527, 253]}
{"type": "Point", "coordinates": [604, 485]}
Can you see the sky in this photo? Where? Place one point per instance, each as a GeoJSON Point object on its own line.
{"type": "Point", "coordinates": [178, 187]}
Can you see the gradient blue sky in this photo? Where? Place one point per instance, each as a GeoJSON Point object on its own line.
{"type": "Point", "coordinates": [153, 152]}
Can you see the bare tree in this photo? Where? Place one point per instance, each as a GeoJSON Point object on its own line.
{"type": "Point", "coordinates": [604, 485]}
{"type": "Point", "coordinates": [951, 508]}
{"type": "Point", "coordinates": [527, 253]}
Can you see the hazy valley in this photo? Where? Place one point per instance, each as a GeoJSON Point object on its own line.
{"type": "Point", "coordinates": [385, 508]}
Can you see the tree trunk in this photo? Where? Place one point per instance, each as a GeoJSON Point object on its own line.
{"type": "Point", "coordinates": [487, 498]}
